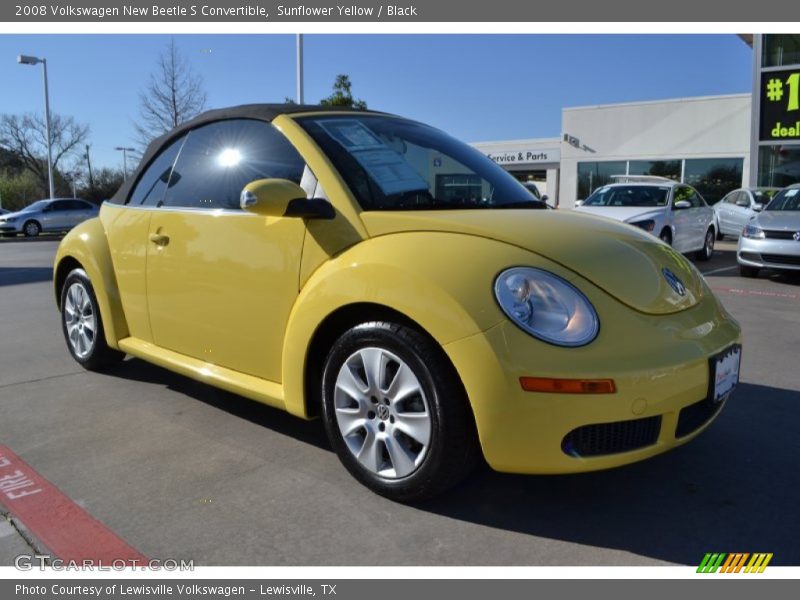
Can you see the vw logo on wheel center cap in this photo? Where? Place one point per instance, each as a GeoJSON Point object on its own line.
{"type": "Point", "coordinates": [673, 281]}
{"type": "Point", "coordinates": [383, 412]}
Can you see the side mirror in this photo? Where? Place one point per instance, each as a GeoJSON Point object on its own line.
{"type": "Point", "coordinates": [545, 198]}
{"type": "Point", "coordinates": [282, 198]}
{"type": "Point", "coordinates": [578, 203]}
{"type": "Point", "coordinates": [758, 207]}
{"type": "Point", "coordinates": [682, 205]}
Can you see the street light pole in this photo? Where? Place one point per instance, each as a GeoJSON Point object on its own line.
{"type": "Point", "coordinates": [125, 160]}
{"type": "Point", "coordinates": [300, 99]}
{"type": "Point", "coordinates": [33, 60]}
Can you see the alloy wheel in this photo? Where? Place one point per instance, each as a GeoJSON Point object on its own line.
{"type": "Point", "coordinates": [80, 320]}
{"type": "Point", "coordinates": [382, 413]}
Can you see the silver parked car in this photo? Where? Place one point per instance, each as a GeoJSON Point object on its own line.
{"type": "Point", "coordinates": [672, 211]}
{"type": "Point", "coordinates": [772, 238]}
{"type": "Point", "coordinates": [739, 206]}
{"type": "Point", "coordinates": [58, 214]}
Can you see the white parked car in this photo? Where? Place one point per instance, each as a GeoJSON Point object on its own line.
{"type": "Point", "coordinates": [736, 209]}
{"type": "Point", "coordinates": [672, 211]}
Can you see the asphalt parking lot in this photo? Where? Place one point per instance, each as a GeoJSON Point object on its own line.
{"type": "Point", "coordinates": [181, 470]}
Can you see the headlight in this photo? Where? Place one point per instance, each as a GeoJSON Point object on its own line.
{"type": "Point", "coordinates": [546, 306]}
{"type": "Point", "coordinates": [647, 225]}
{"type": "Point", "coordinates": [753, 232]}
{"type": "Point", "coordinates": [10, 219]}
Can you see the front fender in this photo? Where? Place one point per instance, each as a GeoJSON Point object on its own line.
{"type": "Point", "coordinates": [87, 244]}
{"type": "Point", "coordinates": [442, 281]}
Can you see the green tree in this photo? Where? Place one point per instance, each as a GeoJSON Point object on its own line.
{"type": "Point", "coordinates": [342, 94]}
{"type": "Point", "coordinates": [18, 189]}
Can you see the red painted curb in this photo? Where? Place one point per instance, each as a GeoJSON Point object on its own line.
{"type": "Point", "coordinates": [65, 528]}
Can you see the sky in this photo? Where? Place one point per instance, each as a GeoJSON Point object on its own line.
{"type": "Point", "coordinates": [476, 87]}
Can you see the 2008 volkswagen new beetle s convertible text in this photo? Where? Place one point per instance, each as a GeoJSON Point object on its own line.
{"type": "Point", "coordinates": [377, 273]}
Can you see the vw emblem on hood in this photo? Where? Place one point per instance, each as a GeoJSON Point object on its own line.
{"type": "Point", "coordinates": [796, 236]}
{"type": "Point", "coordinates": [673, 281]}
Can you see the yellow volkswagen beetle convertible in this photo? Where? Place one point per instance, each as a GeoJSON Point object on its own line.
{"type": "Point", "coordinates": [378, 273]}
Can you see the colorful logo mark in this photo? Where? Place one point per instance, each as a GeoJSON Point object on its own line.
{"type": "Point", "coordinates": [735, 562]}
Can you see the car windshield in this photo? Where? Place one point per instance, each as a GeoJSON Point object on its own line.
{"type": "Point", "coordinates": [38, 205]}
{"type": "Point", "coordinates": [629, 195]}
{"type": "Point", "coordinates": [786, 199]}
{"type": "Point", "coordinates": [394, 164]}
{"type": "Point", "coordinates": [765, 195]}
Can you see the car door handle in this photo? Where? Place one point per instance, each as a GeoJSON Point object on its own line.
{"type": "Point", "coordinates": [159, 239]}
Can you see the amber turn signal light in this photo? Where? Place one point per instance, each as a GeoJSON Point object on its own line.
{"type": "Point", "coordinates": [567, 386]}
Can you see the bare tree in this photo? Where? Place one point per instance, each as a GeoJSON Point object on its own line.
{"type": "Point", "coordinates": [25, 136]}
{"type": "Point", "coordinates": [175, 94]}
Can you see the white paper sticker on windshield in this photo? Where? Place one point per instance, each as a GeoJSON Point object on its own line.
{"type": "Point", "coordinates": [388, 169]}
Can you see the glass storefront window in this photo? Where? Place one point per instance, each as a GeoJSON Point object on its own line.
{"type": "Point", "coordinates": [662, 168]}
{"type": "Point", "coordinates": [778, 165]}
{"type": "Point", "coordinates": [713, 177]}
{"type": "Point", "coordinates": [592, 175]}
{"type": "Point", "coordinates": [781, 49]}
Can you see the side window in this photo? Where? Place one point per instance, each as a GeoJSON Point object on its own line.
{"type": "Point", "coordinates": [219, 159]}
{"type": "Point", "coordinates": [60, 205]}
{"type": "Point", "coordinates": [149, 190]}
{"type": "Point", "coordinates": [731, 198]}
{"type": "Point", "coordinates": [76, 205]}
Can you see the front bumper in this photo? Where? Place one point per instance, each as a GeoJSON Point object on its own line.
{"type": "Point", "coordinates": [660, 365]}
{"type": "Point", "coordinates": [769, 253]}
{"type": "Point", "coordinates": [10, 228]}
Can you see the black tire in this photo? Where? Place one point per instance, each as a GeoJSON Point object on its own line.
{"type": "Point", "coordinates": [98, 355]}
{"type": "Point", "coordinates": [31, 228]}
{"type": "Point", "coordinates": [749, 272]}
{"type": "Point", "coordinates": [707, 251]}
{"type": "Point", "coordinates": [666, 236]}
{"type": "Point", "coordinates": [453, 448]}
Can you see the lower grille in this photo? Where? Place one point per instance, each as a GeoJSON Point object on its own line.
{"type": "Point", "coordinates": [694, 416]}
{"type": "Point", "coordinates": [779, 235]}
{"type": "Point", "coordinates": [782, 259]}
{"type": "Point", "coordinates": [611, 438]}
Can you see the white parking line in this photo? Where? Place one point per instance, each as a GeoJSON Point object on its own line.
{"type": "Point", "coordinates": [720, 270]}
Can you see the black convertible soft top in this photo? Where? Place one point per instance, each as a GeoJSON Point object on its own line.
{"type": "Point", "coordinates": [260, 112]}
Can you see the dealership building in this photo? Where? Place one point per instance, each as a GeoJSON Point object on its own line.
{"type": "Point", "coordinates": [714, 143]}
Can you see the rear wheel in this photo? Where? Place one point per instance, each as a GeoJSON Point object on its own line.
{"type": "Point", "coordinates": [749, 272]}
{"type": "Point", "coordinates": [707, 251]}
{"type": "Point", "coordinates": [396, 413]}
{"type": "Point", "coordinates": [32, 229]}
{"type": "Point", "coordinates": [82, 324]}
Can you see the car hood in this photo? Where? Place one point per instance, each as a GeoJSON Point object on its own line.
{"type": "Point", "coordinates": [622, 213]}
{"type": "Point", "coordinates": [779, 219]}
{"type": "Point", "coordinates": [623, 261]}
{"type": "Point", "coordinates": [18, 213]}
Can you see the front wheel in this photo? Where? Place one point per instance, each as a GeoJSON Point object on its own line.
{"type": "Point", "coordinates": [396, 413]}
{"type": "Point", "coordinates": [707, 251]}
{"type": "Point", "coordinates": [82, 324]}
{"type": "Point", "coordinates": [32, 229]}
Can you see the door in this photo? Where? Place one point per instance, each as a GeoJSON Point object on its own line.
{"type": "Point", "coordinates": [221, 282]}
{"type": "Point", "coordinates": [724, 211]}
{"type": "Point", "coordinates": [56, 216]}
{"type": "Point", "coordinates": [741, 211]}
{"type": "Point", "coordinates": [682, 219]}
